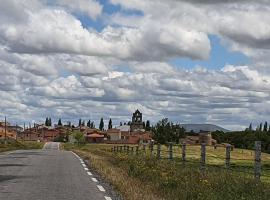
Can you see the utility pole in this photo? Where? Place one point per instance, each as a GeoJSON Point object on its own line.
{"type": "Point", "coordinates": [16, 131]}
{"type": "Point", "coordinates": [30, 131]}
{"type": "Point", "coordinates": [23, 131]}
{"type": "Point", "coordinates": [5, 130]}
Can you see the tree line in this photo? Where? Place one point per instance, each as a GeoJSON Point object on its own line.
{"type": "Point", "coordinates": [245, 139]}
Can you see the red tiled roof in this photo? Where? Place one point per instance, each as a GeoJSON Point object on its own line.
{"type": "Point", "coordinates": [95, 135]}
{"type": "Point", "coordinates": [113, 130]}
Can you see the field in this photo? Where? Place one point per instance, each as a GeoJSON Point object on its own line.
{"type": "Point", "coordinates": [145, 177]}
{"type": "Point", "coordinates": [15, 145]}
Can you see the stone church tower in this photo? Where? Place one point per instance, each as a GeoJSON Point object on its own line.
{"type": "Point", "coordinates": [137, 123]}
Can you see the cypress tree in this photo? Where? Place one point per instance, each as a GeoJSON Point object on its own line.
{"type": "Point", "coordinates": [110, 124]}
{"type": "Point", "coordinates": [92, 125]}
{"type": "Point", "coordinates": [80, 122]}
{"type": "Point", "coordinates": [50, 122]}
{"type": "Point", "coordinates": [101, 124]}
{"type": "Point", "coordinates": [59, 122]}
{"type": "Point", "coordinates": [147, 126]}
{"type": "Point", "coordinates": [250, 127]}
{"type": "Point", "coordinates": [265, 127]}
{"type": "Point", "coordinates": [89, 123]}
{"type": "Point", "coordinates": [46, 121]}
{"type": "Point", "coordinates": [260, 127]}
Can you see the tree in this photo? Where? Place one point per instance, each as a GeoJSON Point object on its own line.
{"type": "Point", "coordinates": [101, 124]}
{"type": "Point", "coordinates": [79, 137]}
{"type": "Point", "coordinates": [110, 124]}
{"type": "Point", "coordinates": [89, 123]}
{"type": "Point", "coordinates": [121, 123]}
{"type": "Point", "coordinates": [260, 127]}
{"type": "Point", "coordinates": [165, 131]}
{"type": "Point", "coordinates": [59, 122]}
{"type": "Point", "coordinates": [250, 127]}
{"type": "Point", "coordinates": [265, 127]}
{"type": "Point", "coordinates": [46, 121]}
{"type": "Point", "coordinates": [92, 125]}
{"type": "Point", "coordinates": [147, 126]}
{"type": "Point", "coordinates": [80, 122]}
{"type": "Point", "coordinates": [143, 125]}
{"type": "Point", "coordinates": [49, 122]}
{"type": "Point", "coordinates": [83, 123]}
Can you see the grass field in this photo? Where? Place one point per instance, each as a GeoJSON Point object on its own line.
{"type": "Point", "coordinates": [15, 145]}
{"type": "Point", "coordinates": [143, 177]}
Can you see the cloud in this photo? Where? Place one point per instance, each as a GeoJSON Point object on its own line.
{"type": "Point", "coordinates": [61, 32]}
{"type": "Point", "coordinates": [90, 7]}
{"type": "Point", "coordinates": [54, 65]}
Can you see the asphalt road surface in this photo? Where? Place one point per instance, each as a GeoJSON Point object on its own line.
{"type": "Point", "coordinates": [47, 174]}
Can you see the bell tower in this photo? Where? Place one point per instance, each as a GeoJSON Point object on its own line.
{"type": "Point", "coordinates": [137, 123]}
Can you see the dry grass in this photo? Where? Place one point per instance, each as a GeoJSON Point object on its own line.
{"type": "Point", "coordinates": [140, 177]}
{"type": "Point", "coordinates": [130, 188]}
{"type": "Point", "coordinates": [15, 145]}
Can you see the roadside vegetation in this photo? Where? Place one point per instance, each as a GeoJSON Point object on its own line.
{"type": "Point", "coordinates": [16, 145]}
{"type": "Point", "coordinates": [143, 177]}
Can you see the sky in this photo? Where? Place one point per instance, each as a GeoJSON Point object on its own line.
{"type": "Point", "coordinates": [193, 61]}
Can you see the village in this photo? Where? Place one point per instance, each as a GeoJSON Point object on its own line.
{"type": "Point", "coordinates": [133, 132]}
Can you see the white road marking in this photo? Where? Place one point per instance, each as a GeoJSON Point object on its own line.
{"type": "Point", "coordinates": [95, 180]}
{"type": "Point", "coordinates": [101, 188]}
{"type": "Point", "coordinates": [76, 155]}
{"type": "Point", "coordinates": [89, 173]}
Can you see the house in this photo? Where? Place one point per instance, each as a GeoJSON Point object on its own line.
{"type": "Point", "coordinates": [200, 138]}
{"type": "Point", "coordinates": [7, 131]}
{"type": "Point", "coordinates": [114, 134]}
{"type": "Point", "coordinates": [95, 138]}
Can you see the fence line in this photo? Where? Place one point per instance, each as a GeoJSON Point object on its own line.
{"type": "Point", "coordinates": [173, 154]}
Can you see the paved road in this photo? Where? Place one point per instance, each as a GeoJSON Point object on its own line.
{"type": "Point", "coordinates": [47, 174]}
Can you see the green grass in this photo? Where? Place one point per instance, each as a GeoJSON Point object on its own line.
{"type": "Point", "coordinates": [15, 145]}
{"type": "Point", "coordinates": [173, 180]}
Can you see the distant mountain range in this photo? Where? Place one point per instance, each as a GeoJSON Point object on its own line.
{"type": "Point", "coordinates": [204, 127]}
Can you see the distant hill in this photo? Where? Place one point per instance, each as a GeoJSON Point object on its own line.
{"type": "Point", "coordinates": [205, 127]}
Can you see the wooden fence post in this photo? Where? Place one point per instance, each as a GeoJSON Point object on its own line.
{"type": "Point", "coordinates": [137, 150]}
{"type": "Point", "coordinates": [132, 150]}
{"type": "Point", "coordinates": [203, 152]}
{"type": "Point", "coordinates": [144, 149]}
{"type": "Point", "coordinates": [127, 149]}
{"type": "Point", "coordinates": [170, 151]}
{"type": "Point", "coordinates": [158, 151]}
{"type": "Point", "coordinates": [151, 148]}
{"type": "Point", "coordinates": [121, 148]}
{"type": "Point", "coordinates": [257, 167]}
{"type": "Point", "coordinates": [184, 152]}
{"type": "Point", "coordinates": [228, 156]}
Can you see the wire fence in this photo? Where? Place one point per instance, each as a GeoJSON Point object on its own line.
{"type": "Point", "coordinates": [252, 163]}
